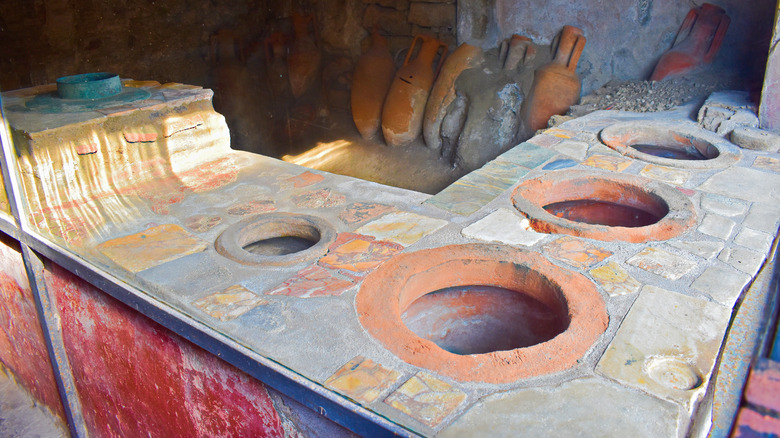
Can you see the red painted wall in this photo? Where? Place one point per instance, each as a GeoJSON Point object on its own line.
{"type": "Point", "coordinates": [22, 346]}
{"type": "Point", "coordinates": [134, 377]}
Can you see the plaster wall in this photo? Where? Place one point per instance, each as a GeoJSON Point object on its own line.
{"type": "Point", "coordinates": [22, 346]}
{"type": "Point", "coordinates": [625, 37]}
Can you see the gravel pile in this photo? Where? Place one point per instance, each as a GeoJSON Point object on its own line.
{"type": "Point", "coordinates": [647, 96]}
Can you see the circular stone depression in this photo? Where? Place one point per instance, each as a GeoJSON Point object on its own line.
{"type": "Point", "coordinates": [675, 144]}
{"type": "Point", "coordinates": [483, 313]}
{"type": "Point", "coordinates": [604, 206]}
{"type": "Point", "coordinates": [276, 239]}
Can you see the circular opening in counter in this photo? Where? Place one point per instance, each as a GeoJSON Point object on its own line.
{"type": "Point", "coordinates": [428, 307]}
{"type": "Point", "coordinates": [604, 207]}
{"type": "Point", "coordinates": [276, 239]}
{"type": "Point", "coordinates": [675, 144]}
{"type": "Point", "coordinates": [482, 319]}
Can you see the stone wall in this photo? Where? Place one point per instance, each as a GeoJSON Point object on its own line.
{"type": "Point", "coordinates": [625, 37]}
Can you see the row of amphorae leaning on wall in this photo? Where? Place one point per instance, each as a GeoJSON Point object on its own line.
{"type": "Point", "coordinates": [469, 104]}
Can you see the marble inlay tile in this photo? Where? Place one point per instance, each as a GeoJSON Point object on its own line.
{"type": "Point", "coordinates": [703, 248]}
{"type": "Point", "coordinates": [667, 345]}
{"type": "Point", "coordinates": [747, 184]}
{"type": "Point", "coordinates": [401, 227]}
{"type": "Point", "coordinates": [545, 140]}
{"type": "Point", "coordinates": [230, 303]}
{"type": "Point", "coordinates": [560, 164]}
{"type": "Point", "coordinates": [252, 207]}
{"type": "Point", "coordinates": [461, 199]}
{"type": "Point", "coordinates": [716, 226]}
{"type": "Point", "coordinates": [768, 163]}
{"type": "Point", "coordinates": [560, 133]}
{"type": "Point", "coordinates": [576, 252]}
{"type": "Point", "coordinates": [201, 223]}
{"type": "Point", "coordinates": [723, 206]}
{"type": "Point", "coordinates": [574, 149]}
{"type": "Point", "coordinates": [665, 174]}
{"type": "Point", "coordinates": [743, 259]}
{"type": "Point", "coordinates": [615, 280]}
{"type": "Point", "coordinates": [360, 212]}
{"type": "Point", "coordinates": [585, 407]}
{"type": "Point", "coordinates": [321, 198]}
{"type": "Point", "coordinates": [504, 226]}
{"type": "Point", "coordinates": [529, 155]}
{"type": "Point", "coordinates": [757, 240]}
{"type": "Point", "coordinates": [608, 162]}
{"type": "Point", "coordinates": [497, 175]}
{"type": "Point", "coordinates": [362, 380]}
{"type": "Point", "coordinates": [312, 281]}
{"type": "Point", "coordinates": [426, 398]}
{"type": "Point", "coordinates": [303, 180]}
{"type": "Point", "coordinates": [155, 246]}
{"type": "Point", "coordinates": [723, 283]}
{"type": "Point", "coordinates": [357, 253]}
{"type": "Point", "coordinates": [662, 263]}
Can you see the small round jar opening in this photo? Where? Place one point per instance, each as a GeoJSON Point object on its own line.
{"type": "Point", "coordinates": [604, 206]}
{"type": "Point", "coordinates": [276, 239]}
{"type": "Point", "coordinates": [483, 319]}
{"type": "Point", "coordinates": [676, 144]}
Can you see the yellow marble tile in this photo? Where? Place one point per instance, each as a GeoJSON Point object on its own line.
{"type": "Point", "coordinates": [426, 398]}
{"type": "Point", "coordinates": [608, 162]}
{"type": "Point", "coordinates": [362, 380]}
{"type": "Point", "coordinates": [615, 280]}
{"type": "Point", "coordinates": [230, 303]}
{"type": "Point", "coordinates": [150, 248]}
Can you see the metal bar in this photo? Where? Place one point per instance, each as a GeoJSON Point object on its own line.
{"type": "Point", "coordinates": [49, 317]}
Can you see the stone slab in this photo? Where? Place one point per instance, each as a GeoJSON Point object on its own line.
{"type": "Point", "coordinates": [662, 263]}
{"type": "Point", "coordinates": [723, 283]}
{"type": "Point", "coordinates": [763, 217]}
{"type": "Point", "coordinates": [723, 206]}
{"type": "Point", "coordinates": [743, 259]}
{"type": "Point", "coordinates": [588, 407]}
{"type": "Point", "coordinates": [705, 249]}
{"type": "Point", "coordinates": [757, 240]}
{"type": "Point", "coordinates": [504, 226]}
{"type": "Point", "coordinates": [667, 345]}
{"type": "Point", "coordinates": [716, 226]}
{"type": "Point", "coordinates": [747, 184]}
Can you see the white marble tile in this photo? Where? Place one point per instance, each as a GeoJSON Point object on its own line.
{"type": "Point", "coordinates": [504, 226]}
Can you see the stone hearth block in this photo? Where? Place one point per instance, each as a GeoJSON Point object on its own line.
{"type": "Point", "coordinates": [723, 206]}
{"type": "Point", "coordinates": [615, 280]}
{"type": "Point", "coordinates": [230, 303]}
{"type": "Point", "coordinates": [705, 249]}
{"type": "Point", "coordinates": [716, 226]}
{"type": "Point", "coordinates": [747, 184]}
{"type": "Point", "coordinates": [590, 406]}
{"type": "Point", "coordinates": [743, 259]}
{"type": "Point", "coordinates": [362, 380]}
{"type": "Point", "coordinates": [504, 226]}
{"type": "Point", "coordinates": [402, 228]}
{"type": "Point", "coordinates": [754, 239]}
{"type": "Point", "coordinates": [665, 174]}
{"type": "Point", "coordinates": [674, 359]}
{"type": "Point", "coordinates": [723, 283]}
{"type": "Point", "coordinates": [155, 246]}
{"type": "Point", "coordinates": [426, 398]}
{"type": "Point", "coordinates": [763, 217]}
{"type": "Point", "coordinates": [662, 263]}
{"type": "Point", "coordinates": [576, 252]}
{"type": "Point", "coordinates": [756, 139]}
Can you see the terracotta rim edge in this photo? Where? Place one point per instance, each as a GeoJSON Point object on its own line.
{"type": "Point", "coordinates": [681, 215]}
{"type": "Point", "coordinates": [378, 305]}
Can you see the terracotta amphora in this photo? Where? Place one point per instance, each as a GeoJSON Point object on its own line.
{"type": "Point", "coordinates": [697, 42]}
{"type": "Point", "coordinates": [370, 81]}
{"type": "Point", "coordinates": [304, 59]}
{"type": "Point", "coordinates": [443, 93]}
{"type": "Point", "coordinates": [515, 50]}
{"type": "Point", "coordinates": [404, 109]}
{"type": "Point", "coordinates": [556, 85]}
